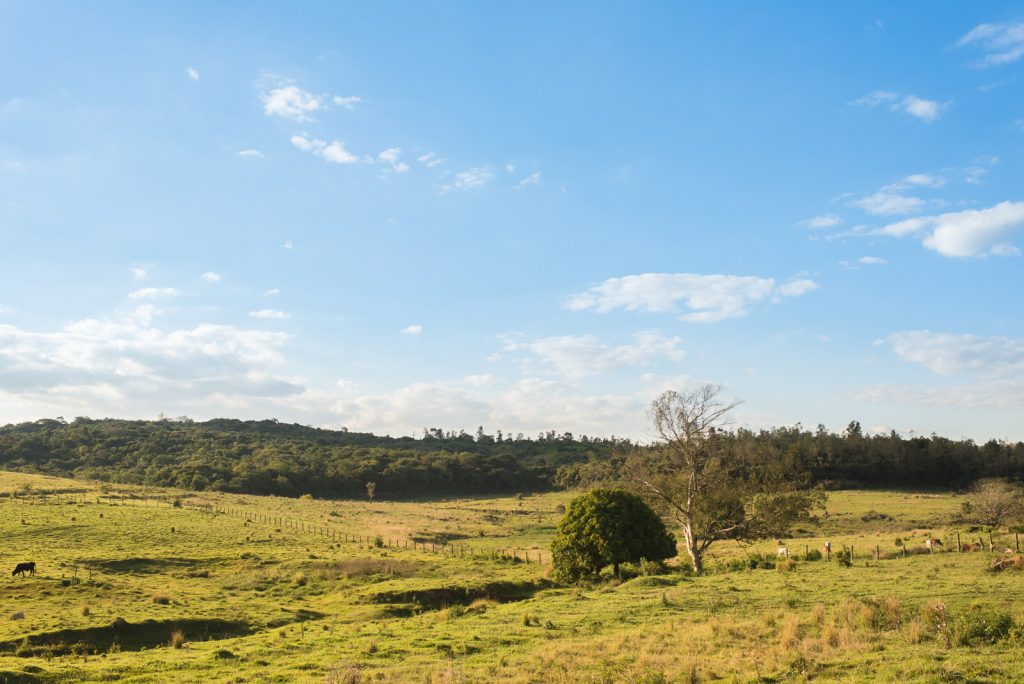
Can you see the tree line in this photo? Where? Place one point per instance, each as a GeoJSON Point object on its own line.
{"type": "Point", "coordinates": [269, 457]}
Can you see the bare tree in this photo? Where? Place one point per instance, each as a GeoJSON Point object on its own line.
{"type": "Point", "coordinates": [992, 503]}
{"type": "Point", "coordinates": [693, 477]}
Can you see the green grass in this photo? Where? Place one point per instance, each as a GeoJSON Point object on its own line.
{"type": "Point", "coordinates": [254, 604]}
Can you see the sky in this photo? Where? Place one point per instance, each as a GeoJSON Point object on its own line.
{"type": "Point", "coordinates": [524, 216]}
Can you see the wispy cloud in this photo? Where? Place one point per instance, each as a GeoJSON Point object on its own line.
{"type": "Point", "coordinates": [475, 177]}
{"type": "Point", "coordinates": [968, 233]}
{"type": "Point", "coordinates": [333, 152]}
{"type": "Point", "coordinates": [577, 356]}
{"type": "Point", "coordinates": [1001, 43]}
{"type": "Point", "coordinates": [390, 156]}
{"type": "Point", "coordinates": [430, 160]}
{"type": "Point", "coordinates": [892, 199]}
{"type": "Point", "coordinates": [918, 107]}
{"type": "Point", "coordinates": [824, 221]}
{"type": "Point", "coordinates": [270, 314]}
{"type": "Point", "coordinates": [281, 97]}
{"type": "Point", "coordinates": [154, 293]}
{"type": "Point", "coordinates": [251, 154]}
{"type": "Point", "coordinates": [192, 73]}
{"type": "Point", "coordinates": [532, 179]}
{"type": "Point", "coordinates": [211, 277]}
{"type": "Point", "coordinates": [138, 273]}
{"type": "Point", "coordinates": [415, 329]}
{"type": "Point", "coordinates": [705, 298]}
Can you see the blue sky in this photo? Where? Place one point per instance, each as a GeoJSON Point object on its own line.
{"type": "Point", "coordinates": [527, 216]}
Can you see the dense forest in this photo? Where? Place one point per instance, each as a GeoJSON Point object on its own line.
{"type": "Point", "coordinates": [268, 457]}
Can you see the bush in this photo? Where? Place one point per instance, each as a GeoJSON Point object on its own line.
{"type": "Point", "coordinates": [788, 565]}
{"type": "Point", "coordinates": [177, 639]}
{"type": "Point", "coordinates": [979, 625]}
{"type": "Point", "coordinates": [378, 541]}
{"type": "Point", "coordinates": [161, 599]}
{"type": "Point", "coordinates": [814, 555]}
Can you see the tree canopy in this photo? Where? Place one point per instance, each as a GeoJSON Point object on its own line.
{"type": "Point", "coordinates": [607, 527]}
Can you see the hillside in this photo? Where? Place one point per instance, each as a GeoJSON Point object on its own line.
{"type": "Point", "coordinates": [230, 588]}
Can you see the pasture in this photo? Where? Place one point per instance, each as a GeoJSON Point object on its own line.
{"type": "Point", "coordinates": [147, 585]}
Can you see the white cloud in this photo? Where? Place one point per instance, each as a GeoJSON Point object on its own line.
{"type": "Point", "coordinates": [337, 154]}
{"type": "Point", "coordinates": [968, 233]}
{"type": "Point", "coordinates": [192, 73]}
{"type": "Point", "coordinates": [281, 97]}
{"type": "Point", "coordinates": [530, 405]}
{"type": "Point", "coordinates": [288, 244]}
{"type": "Point", "coordinates": [139, 273]}
{"type": "Point", "coordinates": [467, 180]}
{"type": "Point", "coordinates": [510, 168]}
{"type": "Point", "coordinates": [291, 102]}
{"type": "Point", "coordinates": [412, 330]}
{"type": "Point", "coordinates": [1002, 43]}
{"type": "Point", "coordinates": [211, 277]}
{"type": "Point", "coordinates": [272, 314]}
{"type": "Point", "coordinates": [250, 154]}
{"type": "Point", "coordinates": [925, 110]}
{"type": "Point", "coordinates": [153, 293]}
{"type": "Point", "coordinates": [951, 353]}
{"type": "Point", "coordinates": [273, 292]}
{"type": "Point", "coordinates": [925, 180]}
{"type": "Point", "coordinates": [333, 152]}
{"type": "Point", "coordinates": [577, 356]}
{"type": "Point", "coordinates": [129, 367]}
{"type": "Point", "coordinates": [391, 157]}
{"type": "Point", "coordinates": [824, 221]}
{"type": "Point", "coordinates": [532, 179]}
{"type": "Point", "coordinates": [708, 298]}
{"type": "Point", "coordinates": [872, 261]}
{"type": "Point", "coordinates": [994, 367]}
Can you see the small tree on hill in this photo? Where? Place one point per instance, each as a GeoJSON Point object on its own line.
{"type": "Point", "coordinates": [607, 527]}
{"type": "Point", "coordinates": [992, 504]}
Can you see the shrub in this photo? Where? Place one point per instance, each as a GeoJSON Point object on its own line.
{"type": "Point", "coordinates": [845, 557]}
{"type": "Point", "coordinates": [788, 565]}
{"type": "Point", "coordinates": [814, 555]}
{"type": "Point", "coordinates": [177, 639]}
{"type": "Point", "coordinates": [161, 599]}
{"type": "Point", "coordinates": [86, 611]}
{"type": "Point", "coordinates": [378, 541]}
{"type": "Point", "coordinates": [299, 579]}
{"type": "Point", "coordinates": [649, 568]}
{"type": "Point", "coordinates": [979, 625]}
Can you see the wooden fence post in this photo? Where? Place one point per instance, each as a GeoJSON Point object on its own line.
{"type": "Point", "coordinates": [958, 547]}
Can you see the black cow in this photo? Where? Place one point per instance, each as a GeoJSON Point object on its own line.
{"type": "Point", "coordinates": [22, 568]}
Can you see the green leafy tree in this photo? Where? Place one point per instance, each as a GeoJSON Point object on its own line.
{"type": "Point", "coordinates": [607, 527]}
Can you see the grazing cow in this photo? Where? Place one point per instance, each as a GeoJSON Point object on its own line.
{"type": "Point", "coordinates": [22, 568]}
{"type": "Point", "coordinates": [932, 544]}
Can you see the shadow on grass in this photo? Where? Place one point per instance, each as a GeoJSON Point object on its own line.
{"type": "Point", "coordinates": [126, 637]}
{"type": "Point", "coordinates": [435, 598]}
{"type": "Point", "coordinates": [146, 565]}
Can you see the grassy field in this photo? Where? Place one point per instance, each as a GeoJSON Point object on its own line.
{"type": "Point", "coordinates": [132, 587]}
